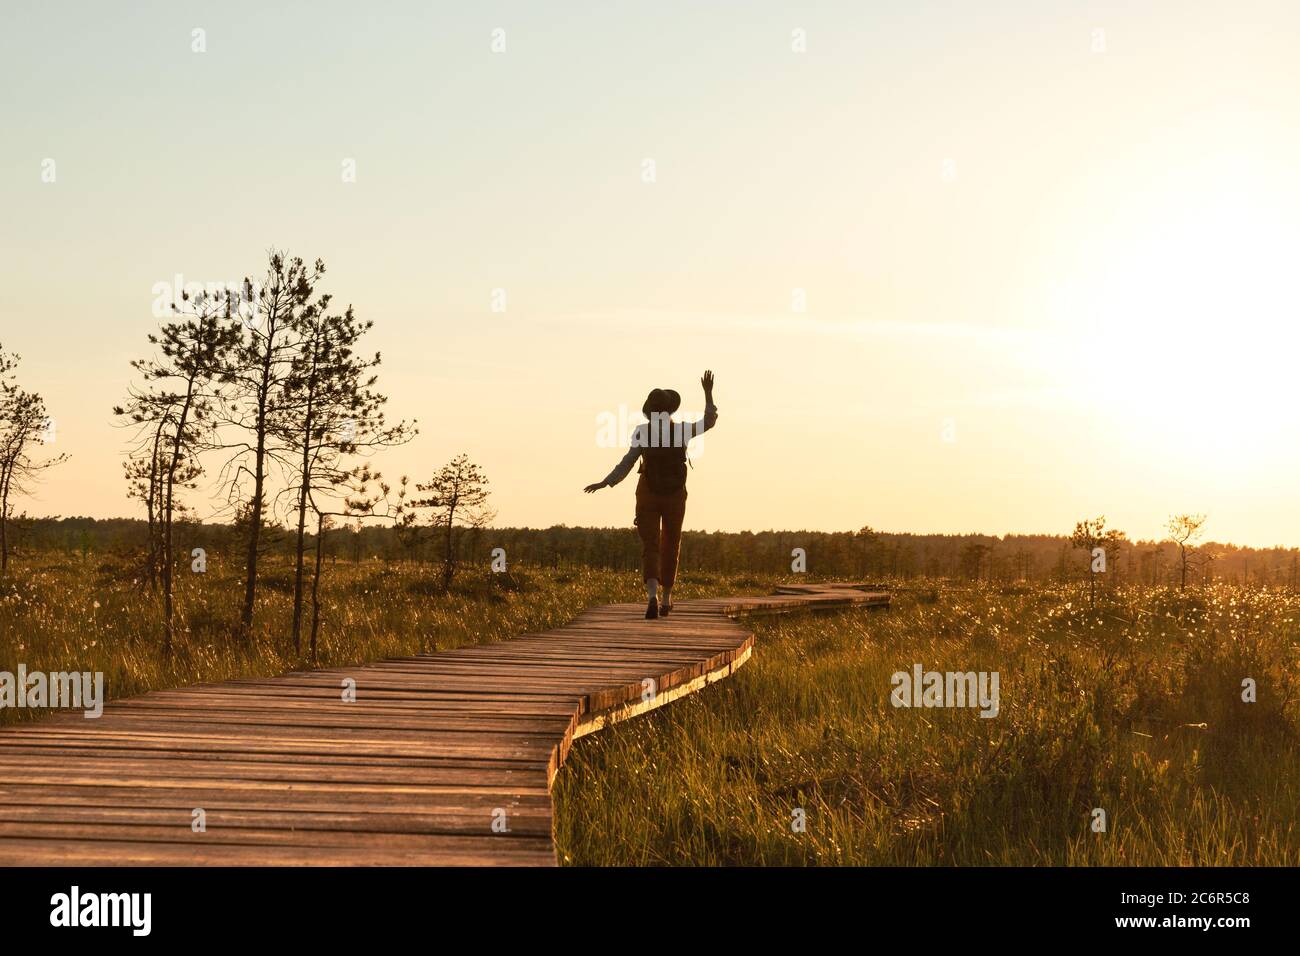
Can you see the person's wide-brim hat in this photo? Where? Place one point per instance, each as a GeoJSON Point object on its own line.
{"type": "Point", "coordinates": [665, 401]}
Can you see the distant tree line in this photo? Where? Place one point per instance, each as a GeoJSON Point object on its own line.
{"type": "Point", "coordinates": [863, 554]}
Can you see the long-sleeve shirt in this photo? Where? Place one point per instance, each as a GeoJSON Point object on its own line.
{"type": "Point", "coordinates": [679, 433]}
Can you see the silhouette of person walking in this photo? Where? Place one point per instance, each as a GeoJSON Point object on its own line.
{"type": "Point", "coordinates": [661, 444]}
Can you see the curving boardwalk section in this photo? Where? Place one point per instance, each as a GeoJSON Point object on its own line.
{"type": "Point", "coordinates": [442, 759]}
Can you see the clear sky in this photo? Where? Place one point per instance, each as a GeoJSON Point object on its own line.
{"type": "Point", "coordinates": [1047, 250]}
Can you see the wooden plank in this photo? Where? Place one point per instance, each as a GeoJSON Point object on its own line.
{"type": "Point", "coordinates": [501, 850]}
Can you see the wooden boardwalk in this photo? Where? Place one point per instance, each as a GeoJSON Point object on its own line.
{"type": "Point", "coordinates": [445, 758]}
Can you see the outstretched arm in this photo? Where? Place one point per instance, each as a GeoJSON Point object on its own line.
{"type": "Point", "coordinates": [620, 470]}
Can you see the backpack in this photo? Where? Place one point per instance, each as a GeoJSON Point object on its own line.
{"type": "Point", "coordinates": [664, 467]}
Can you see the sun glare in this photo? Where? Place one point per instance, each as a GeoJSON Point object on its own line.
{"type": "Point", "coordinates": [1183, 322]}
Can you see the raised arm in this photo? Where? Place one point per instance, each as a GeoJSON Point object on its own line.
{"type": "Point", "coordinates": [710, 410]}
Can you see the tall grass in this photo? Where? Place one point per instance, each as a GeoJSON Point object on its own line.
{"type": "Point", "coordinates": [1134, 707]}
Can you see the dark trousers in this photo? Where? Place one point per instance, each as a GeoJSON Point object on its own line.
{"type": "Point", "coordinates": [659, 523]}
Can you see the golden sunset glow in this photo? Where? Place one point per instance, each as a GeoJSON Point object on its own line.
{"type": "Point", "coordinates": [925, 313]}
